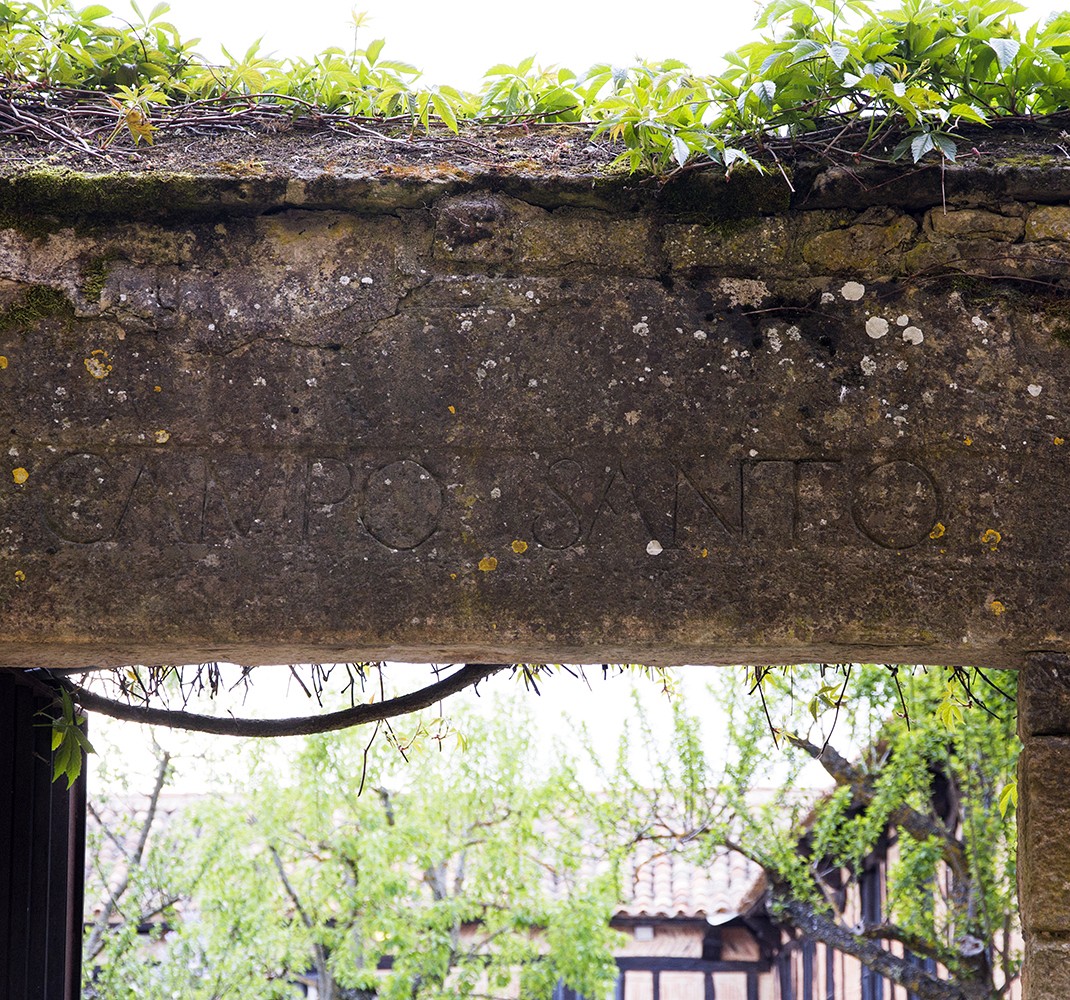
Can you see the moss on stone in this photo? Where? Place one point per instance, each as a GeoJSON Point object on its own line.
{"type": "Point", "coordinates": [95, 275]}
{"type": "Point", "coordinates": [37, 302]}
{"type": "Point", "coordinates": [71, 195]}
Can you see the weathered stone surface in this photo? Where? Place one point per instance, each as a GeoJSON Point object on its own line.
{"type": "Point", "coordinates": [1044, 847]}
{"type": "Point", "coordinates": [465, 416]}
{"type": "Point", "coordinates": [974, 223]}
{"type": "Point", "coordinates": [1046, 975]}
{"type": "Point", "coordinates": [1044, 696]}
{"type": "Point", "coordinates": [1051, 222]}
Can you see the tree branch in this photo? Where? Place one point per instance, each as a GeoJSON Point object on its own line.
{"type": "Point", "coordinates": [468, 676]}
{"type": "Point", "coordinates": [917, 824]}
{"type": "Point", "coordinates": [913, 942]}
{"type": "Point", "coordinates": [95, 945]}
{"type": "Point", "coordinates": [815, 924]}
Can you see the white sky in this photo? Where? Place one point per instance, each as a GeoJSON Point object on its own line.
{"type": "Point", "coordinates": [455, 41]}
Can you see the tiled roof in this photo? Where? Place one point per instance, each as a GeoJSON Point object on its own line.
{"type": "Point", "coordinates": [667, 884]}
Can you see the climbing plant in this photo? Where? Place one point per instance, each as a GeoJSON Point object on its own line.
{"type": "Point", "coordinates": [828, 77]}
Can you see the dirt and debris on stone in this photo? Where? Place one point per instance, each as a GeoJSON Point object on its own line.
{"type": "Point", "coordinates": [295, 152]}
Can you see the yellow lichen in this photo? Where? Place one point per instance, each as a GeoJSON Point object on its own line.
{"type": "Point", "coordinates": [452, 409]}
{"type": "Point", "coordinates": [705, 553]}
{"type": "Point", "coordinates": [97, 364]}
{"type": "Point", "coordinates": [997, 607]}
{"type": "Point", "coordinates": [991, 538]}
{"type": "Point", "coordinates": [488, 564]}
{"type": "Point", "coordinates": [20, 475]}
{"type": "Point", "coordinates": [1059, 440]}
{"type": "Point", "coordinates": [938, 530]}
{"type": "Point", "coordinates": [20, 577]}
{"type": "Point", "coordinates": [967, 440]}
{"type": "Point", "coordinates": [161, 437]}
{"type": "Point", "coordinates": [3, 362]}
{"type": "Point", "coordinates": [519, 546]}
{"type": "Point", "coordinates": [157, 388]}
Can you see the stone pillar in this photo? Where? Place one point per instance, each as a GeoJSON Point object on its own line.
{"type": "Point", "coordinates": [42, 853]}
{"type": "Point", "coordinates": [1044, 825]}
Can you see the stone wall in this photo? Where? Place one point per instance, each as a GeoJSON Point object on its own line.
{"type": "Point", "coordinates": [286, 413]}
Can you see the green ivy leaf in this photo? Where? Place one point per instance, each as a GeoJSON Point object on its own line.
{"type": "Point", "coordinates": [1006, 49]}
{"type": "Point", "coordinates": [919, 146]}
{"type": "Point", "coordinates": [1008, 798]}
{"type": "Point", "coordinates": [838, 53]}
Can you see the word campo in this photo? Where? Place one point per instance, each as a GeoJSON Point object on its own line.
{"type": "Point", "coordinates": [564, 502]}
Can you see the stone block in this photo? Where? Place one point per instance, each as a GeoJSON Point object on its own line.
{"type": "Point", "coordinates": [1049, 222]}
{"type": "Point", "coordinates": [859, 248]}
{"type": "Point", "coordinates": [1044, 696]}
{"type": "Point", "coordinates": [498, 417]}
{"type": "Point", "coordinates": [1046, 974]}
{"type": "Point", "coordinates": [973, 223]}
{"type": "Point", "coordinates": [1044, 835]}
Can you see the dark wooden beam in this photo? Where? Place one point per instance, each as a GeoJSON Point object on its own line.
{"type": "Point", "coordinates": [42, 853]}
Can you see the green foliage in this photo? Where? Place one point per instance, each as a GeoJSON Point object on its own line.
{"type": "Point", "coordinates": [935, 782]}
{"type": "Point", "coordinates": [442, 864]}
{"type": "Point", "coordinates": [829, 76]}
{"type": "Point", "coordinates": [69, 741]}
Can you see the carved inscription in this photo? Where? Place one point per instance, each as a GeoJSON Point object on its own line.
{"type": "Point", "coordinates": [704, 503]}
{"type": "Point", "coordinates": [87, 498]}
{"type": "Point", "coordinates": [772, 502]}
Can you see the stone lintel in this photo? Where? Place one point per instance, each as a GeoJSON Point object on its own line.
{"type": "Point", "coordinates": [288, 414]}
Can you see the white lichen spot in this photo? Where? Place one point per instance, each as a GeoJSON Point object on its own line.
{"type": "Point", "coordinates": [700, 335]}
{"type": "Point", "coordinates": [912, 335]}
{"type": "Point", "coordinates": [466, 325]}
{"type": "Point", "coordinates": [753, 453]}
{"type": "Point", "coordinates": [868, 365]}
{"type": "Point", "coordinates": [311, 382]}
{"type": "Point", "coordinates": [232, 312]}
{"type": "Point", "coordinates": [877, 327]}
{"type": "Point", "coordinates": [529, 295]}
{"type": "Point", "coordinates": [641, 328]}
{"type": "Point", "coordinates": [744, 291]}
{"type": "Point", "coordinates": [793, 333]}
{"type": "Point", "coordinates": [211, 327]}
{"type": "Point", "coordinates": [345, 279]}
{"type": "Point", "coordinates": [496, 494]}
{"type": "Point", "coordinates": [367, 280]}
{"type": "Point", "coordinates": [1033, 389]}
{"type": "Point", "coordinates": [512, 320]}
{"type": "Point", "coordinates": [827, 297]}
{"type": "Point", "coordinates": [653, 547]}
{"type": "Point", "coordinates": [632, 417]}
{"type": "Point", "coordinates": [533, 383]}
{"type": "Point", "coordinates": [979, 323]}
{"type": "Point", "coordinates": [902, 320]}
{"type": "Point", "coordinates": [775, 343]}
{"type": "Point", "coordinates": [902, 366]}
{"type": "Point", "coordinates": [260, 380]}
{"type": "Point", "coordinates": [852, 291]}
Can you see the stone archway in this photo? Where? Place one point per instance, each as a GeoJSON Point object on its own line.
{"type": "Point", "coordinates": [265, 403]}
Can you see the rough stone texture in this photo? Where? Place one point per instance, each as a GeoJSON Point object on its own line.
{"type": "Point", "coordinates": [467, 416]}
{"type": "Point", "coordinates": [1044, 696]}
{"type": "Point", "coordinates": [1044, 846]}
{"type": "Point", "coordinates": [1046, 975]}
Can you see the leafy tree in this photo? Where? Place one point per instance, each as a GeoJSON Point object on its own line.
{"type": "Point", "coordinates": [927, 766]}
{"type": "Point", "coordinates": [410, 867]}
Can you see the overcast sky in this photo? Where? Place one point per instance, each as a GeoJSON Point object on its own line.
{"type": "Point", "coordinates": [455, 42]}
